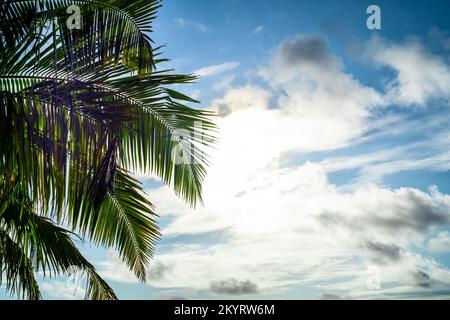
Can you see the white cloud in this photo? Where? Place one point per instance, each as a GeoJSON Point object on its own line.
{"type": "Point", "coordinates": [55, 289]}
{"type": "Point", "coordinates": [241, 98]}
{"type": "Point", "coordinates": [216, 69]}
{"type": "Point", "coordinates": [326, 107]}
{"type": "Point", "coordinates": [114, 269]}
{"type": "Point", "coordinates": [292, 227]}
{"type": "Point", "coordinates": [193, 24]}
{"type": "Point", "coordinates": [421, 75]}
{"type": "Point", "coordinates": [440, 243]}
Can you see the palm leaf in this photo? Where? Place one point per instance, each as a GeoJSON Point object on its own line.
{"type": "Point", "coordinates": [17, 269]}
{"type": "Point", "coordinates": [44, 246]}
{"type": "Point", "coordinates": [112, 31]}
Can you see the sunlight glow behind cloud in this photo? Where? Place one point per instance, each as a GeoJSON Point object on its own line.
{"type": "Point", "coordinates": [280, 227]}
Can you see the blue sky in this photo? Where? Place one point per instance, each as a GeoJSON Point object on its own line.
{"type": "Point", "coordinates": [331, 178]}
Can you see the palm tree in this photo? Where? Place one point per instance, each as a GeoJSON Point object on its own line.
{"type": "Point", "coordinates": [80, 110]}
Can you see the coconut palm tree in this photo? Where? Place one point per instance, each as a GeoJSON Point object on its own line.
{"type": "Point", "coordinates": [82, 107]}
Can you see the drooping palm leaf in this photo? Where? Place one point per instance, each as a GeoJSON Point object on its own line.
{"type": "Point", "coordinates": [43, 246]}
{"type": "Point", "coordinates": [17, 270]}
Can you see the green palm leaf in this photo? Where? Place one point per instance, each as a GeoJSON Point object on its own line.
{"type": "Point", "coordinates": [43, 246]}
{"type": "Point", "coordinates": [17, 269]}
{"type": "Point", "coordinates": [112, 31]}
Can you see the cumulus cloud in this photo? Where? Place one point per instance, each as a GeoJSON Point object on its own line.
{"type": "Point", "coordinates": [382, 252]}
{"type": "Point", "coordinates": [241, 98]}
{"type": "Point", "coordinates": [323, 105]}
{"type": "Point", "coordinates": [421, 75]}
{"type": "Point", "coordinates": [440, 243]}
{"type": "Point", "coordinates": [158, 271]}
{"type": "Point", "coordinates": [114, 269]}
{"type": "Point", "coordinates": [422, 279]}
{"type": "Point", "coordinates": [403, 211]}
{"type": "Point", "coordinates": [305, 52]}
{"type": "Point", "coordinates": [305, 108]}
{"type": "Point", "coordinates": [234, 287]}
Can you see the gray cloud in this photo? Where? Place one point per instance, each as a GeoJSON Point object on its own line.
{"type": "Point", "coordinates": [410, 211]}
{"type": "Point", "coordinates": [311, 49]}
{"type": "Point", "coordinates": [234, 287]}
{"type": "Point", "coordinates": [416, 213]}
{"type": "Point", "coordinates": [422, 279]}
{"type": "Point", "coordinates": [158, 271]}
{"type": "Point", "coordinates": [330, 296]}
{"type": "Point", "coordinates": [382, 253]}
{"type": "Point", "coordinates": [170, 295]}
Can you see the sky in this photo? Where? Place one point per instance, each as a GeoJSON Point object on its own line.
{"type": "Point", "coordinates": [331, 176]}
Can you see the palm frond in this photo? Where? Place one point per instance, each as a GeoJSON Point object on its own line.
{"type": "Point", "coordinates": [17, 270]}
{"type": "Point", "coordinates": [42, 245]}
{"type": "Point", "coordinates": [112, 31]}
{"type": "Point", "coordinates": [127, 222]}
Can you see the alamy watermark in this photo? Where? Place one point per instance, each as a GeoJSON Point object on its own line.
{"type": "Point", "coordinates": [373, 280]}
{"type": "Point", "coordinates": [374, 20]}
{"type": "Point", "coordinates": [74, 20]}
{"type": "Point", "coordinates": [186, 149]}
